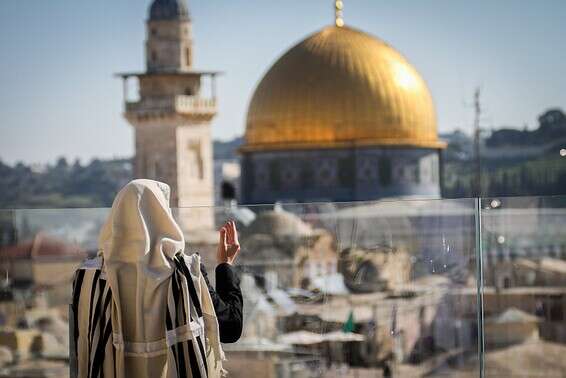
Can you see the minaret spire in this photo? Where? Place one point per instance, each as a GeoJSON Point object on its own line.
{"type": "Point", "coordinates": [338, 15]}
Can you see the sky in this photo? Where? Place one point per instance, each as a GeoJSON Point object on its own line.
{"type": "Point", "coordinates": [59, 95]}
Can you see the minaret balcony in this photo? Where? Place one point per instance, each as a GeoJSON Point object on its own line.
{"type": "Point", "coordinates": [180, 104]}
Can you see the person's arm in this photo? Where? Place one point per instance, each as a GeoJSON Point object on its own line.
{"type": "Point", "coordinates": [227, 301]}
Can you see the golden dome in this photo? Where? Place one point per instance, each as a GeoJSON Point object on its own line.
{"type": "Point", "coordinates": [341, 87]}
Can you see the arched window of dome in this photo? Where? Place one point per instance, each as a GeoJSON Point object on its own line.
{"type": "Point", "coordinates": [385, 171]}
{"type": "Point", "coordinates": [307, 174]}
{"type": "Point", "coordinates": [346, 169]}
{"type": "Point", "coordinates": [275, 174]}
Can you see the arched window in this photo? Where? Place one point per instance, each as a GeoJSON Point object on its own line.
{"type": "Point", "coordinates": [385, 171]}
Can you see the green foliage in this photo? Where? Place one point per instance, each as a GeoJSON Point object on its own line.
{"type": "Point", "coordinates": [545, 175]}
{"type": "Point", "coordinates": [552, 126]}
{"type": "Point", "coordinates": [521, 175]}
{"type": "Point", "coordinates": [63, 185]}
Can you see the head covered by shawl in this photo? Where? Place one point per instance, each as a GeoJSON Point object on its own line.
{"type": "Point", "coordinates": [141, 230]}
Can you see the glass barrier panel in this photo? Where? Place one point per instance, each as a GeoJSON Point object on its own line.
{"type": "Point", "coordinates": [389, 286]}
{"type": "Point", "coordinates": [40, 250]}
{"type": "Point", "coordinates": [383, 288]}
{"type": "Point", "coordinates": [524, 268]}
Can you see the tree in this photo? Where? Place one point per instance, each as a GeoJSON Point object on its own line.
{"type": "Point", "coordinates": [62, 164]}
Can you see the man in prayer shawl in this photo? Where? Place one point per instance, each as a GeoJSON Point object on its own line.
{"type": "Point", "coordinates": [143, 307]}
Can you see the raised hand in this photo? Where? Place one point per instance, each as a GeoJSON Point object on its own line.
{"type": "Point", "coordinates": [228, 245]}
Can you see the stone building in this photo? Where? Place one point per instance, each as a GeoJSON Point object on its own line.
{"type": "Point", "coordinates": [341, 116]}
{"type": "Point", "coordinates": [374, 270]}
{"type": "Point", "coordinates": [513, 326]}
{"type": "Point", "coordinates": [44, 261]}
{"type": "Point", "coordinates": [287, 252]}
{"type": "Point", "coordinates": [172, 115]}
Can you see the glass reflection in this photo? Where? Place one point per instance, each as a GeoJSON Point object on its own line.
{"type": "Point", "coordinates": [525, 285]}
{"type": "Point", "coordinates": [386, 288]}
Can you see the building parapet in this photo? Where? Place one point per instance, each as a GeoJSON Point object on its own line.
{"type": "Point", "coordinates": [180, 104]}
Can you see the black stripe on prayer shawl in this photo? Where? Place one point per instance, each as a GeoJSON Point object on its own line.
{"type": "Point", "coordinates": [104, 335]}
{"type": "Point", "coordinates": [96, 322]}
{"type": "Point", "coordinates": [186, 348]}
{"type": "Point", "coordinates": [168, 321]}
{"type": "Point", "coordinates": [193, 359]}
{"type": "Point", "coordinates": [171, 309]}
{"type": "Point", "coordinates": [93, 289]}
{"type": "Point", "coordinates": [77, 286]}
{"type": "Point", "coordinates": [183, 320]}
{"type": "Point", "coordinates": [99, 355]}
{"type": "Point", "coordinates": [100, 343]}
{"type": "Point", "coordinates": [175, 288]}
{"type": "Point", "coordinates": [202, 353]}
{"type": "Point", "coordinates": [74, 323]}
{"type": "Point", "coordinates": [98, 307]}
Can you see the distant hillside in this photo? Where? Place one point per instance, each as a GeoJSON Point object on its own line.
{"type": "Point", "coordinates": [552, 126]}
{"type": "Point", "coordinates": [227, 150]}
{"type": "Point", "coordinates": [514, 162]}
{"type": "Point", "coordinates": [63, 185]}
{"type": "Point", "coordinates": [545, 175]}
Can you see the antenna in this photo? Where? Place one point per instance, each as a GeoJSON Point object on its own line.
{"type": "Point", "coordinates": [477, 135]}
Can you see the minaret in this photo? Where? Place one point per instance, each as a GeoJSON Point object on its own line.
{"type": "Point", "coordinates": [169, 43]}
{"type": "Point", "coordinates": [172, 116]}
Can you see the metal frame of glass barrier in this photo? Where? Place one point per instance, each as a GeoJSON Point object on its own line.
{"type": "Point", "coordinates": [480, 281]}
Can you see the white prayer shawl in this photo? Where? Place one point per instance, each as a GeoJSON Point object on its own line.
{"type": "Point", "coordinates": [134, 311]}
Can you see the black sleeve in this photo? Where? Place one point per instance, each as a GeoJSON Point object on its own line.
{"type": "Point", "coordinates": [227, 301]}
